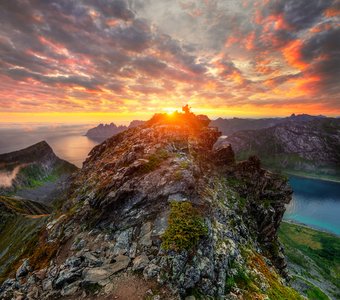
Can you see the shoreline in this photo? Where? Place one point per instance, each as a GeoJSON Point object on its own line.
{"type": "Point", "coordinates": [315, 177]}
{"type": "Point", "coordinates": [309, 227]}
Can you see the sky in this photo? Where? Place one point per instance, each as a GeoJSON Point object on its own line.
{"type": "Point", "coordinates": [117, 60]}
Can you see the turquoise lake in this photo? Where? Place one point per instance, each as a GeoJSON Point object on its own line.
{"type": "Point", "coordinates": [315, 203]}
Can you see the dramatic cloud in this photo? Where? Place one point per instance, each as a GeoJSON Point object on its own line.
{"type": "Point", "coordinates": [128, 55]}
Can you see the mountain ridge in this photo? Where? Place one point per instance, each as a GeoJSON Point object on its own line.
{"type": "Point", "coordinates": [119, 220]}
{"type": "Point", "coordinates": [34, 172]}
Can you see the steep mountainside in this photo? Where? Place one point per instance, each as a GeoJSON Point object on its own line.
{"type": "Point", "coordinates": [34, 172]}
{"type": "Point", "coordinates": [20, 222]}
{"type": "Point", "coordinates": [230, 126]}
{"type": "Point", "coordinates": [157, 212]}
{"type": "Point", "coordinates": [298, 147]}
{"type": "Point", "coordinates": [104, 131]}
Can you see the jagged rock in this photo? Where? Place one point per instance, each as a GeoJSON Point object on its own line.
{"type": "Point", "coordinates": [145, 235]}
{"type": "Point", "coordinates": [95, 275]}
{"type": "Point", "coordinates": [151, 271]}
{"type": "Point", "coordinates": [23, 269]}
{"type": "Point", "coordinates": [122, 242]}
{"type": "Point", "coordinates": [73, 262]}
{"type": "Point", "coordinates": [70, 289]}
{"type": "Point", "coordinates": [67, 276]}
{"type": "Point", "coordinates": [78, 245]}
{"type": "Point", "coordinates": [33, 294]}
{"type": "Point", "coordinates": [140, 262]}
{"type": "Point", "coordinates": [18, 295]}
{"type": "Point", "coordinates": [223, 155]}
{"type": "Point", "coordinates": [40, 274]}
{"type": "Point", "coordinates": [92, 260]}
{"type": "Point", "coordinates": [47, 284]}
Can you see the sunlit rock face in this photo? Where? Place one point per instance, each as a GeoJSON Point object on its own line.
{"type": "Point", "coordinates": [162, 201]}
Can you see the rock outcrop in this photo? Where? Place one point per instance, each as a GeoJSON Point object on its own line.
{"type": "Point", "coordinates": [158, 204]}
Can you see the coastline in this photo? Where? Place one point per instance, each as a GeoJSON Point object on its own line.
{"type": "Point", "coordinates": [304, 225]}
{"type": "Point", "coordinates": [311, 176]}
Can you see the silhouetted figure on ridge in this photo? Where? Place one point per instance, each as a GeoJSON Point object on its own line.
{"type": "Point", "coordinates": [186, 109]}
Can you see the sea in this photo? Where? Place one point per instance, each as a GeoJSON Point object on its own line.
{"type": "Point", "coordinates": [316, 203]}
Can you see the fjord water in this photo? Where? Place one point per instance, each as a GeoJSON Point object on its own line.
{"type": "Point", "coordinates": [315, 203]}
{"type": "Point", "coordinates": [67, 141]}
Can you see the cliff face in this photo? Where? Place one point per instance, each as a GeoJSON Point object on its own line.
{"type": "Point", "coordinates": [34, 172]}
{"type": "Point", "coordinates": [311, 146]}
{"type": "Point", "coordinates": [161, 211]}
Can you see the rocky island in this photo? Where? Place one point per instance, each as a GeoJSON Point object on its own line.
{"type": "Point", "coordinates": [159, 212]}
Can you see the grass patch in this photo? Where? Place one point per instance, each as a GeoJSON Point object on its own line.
{"type": "Point", "coordinates": [154, 160]}
{"type": "Point", "coordinates": [322, 248]}
{"type": "Point", "coordinates": [20, 225]}
{"type": "Point", "coordinates": [186, 227]}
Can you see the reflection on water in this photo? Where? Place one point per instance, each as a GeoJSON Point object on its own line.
{"type": "Point", "coordinates": [68, 142]}
{"type": "Point", "coordinates": [315, 203]}
{"type": "Point", "coordinates": [72, 148]}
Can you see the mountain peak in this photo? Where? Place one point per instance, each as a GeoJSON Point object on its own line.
{"type": "Point", "coordinates": [163, 201]}
{"type": "Point", "coordinates": [29, 154]}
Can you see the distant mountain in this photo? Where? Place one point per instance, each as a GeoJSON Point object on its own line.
{"type": "Point", "coordinates": [35, 173]}
{"type": "Point", "coordinates": [306, 147]}
{"type": "Point", "coordinates": [230, 126]}
{"type": "Point", "coordinates": [104, 131]}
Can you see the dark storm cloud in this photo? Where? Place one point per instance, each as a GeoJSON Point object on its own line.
{"type": "Point", "coordinates": [113, 9]}
{"type": "Point", "coordinates": [150, 66]}
{"type": "Point", "coordinates": [322, 52]}
{"type": "Point", "coordinates": [298, 14]}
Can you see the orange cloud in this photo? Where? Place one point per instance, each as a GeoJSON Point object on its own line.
{"type": "Point", "coordinates": [292, 54]}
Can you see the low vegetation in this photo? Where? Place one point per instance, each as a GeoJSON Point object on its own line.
{"type": "Point", "coordinates": [154, 160]}
{"type": "Point", "coordinates": [258, 281]}
{"type": "Point", "coordinates": [314, 256]}
{"type": "Point", "coordinates": [186, 227]}
{"type": "Point", "coordinates": [20, 224]}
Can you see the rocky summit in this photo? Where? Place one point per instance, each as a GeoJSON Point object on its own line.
{"type": "Point", "coordinates": [161, 212]}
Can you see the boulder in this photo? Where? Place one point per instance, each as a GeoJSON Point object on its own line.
{"type": "Point", "coordinates": [23, 269]}
{"type": "Point", "coordinates": [140, 262]}
{"type": "Point", "coordinates": [67, 276]}
{"type": "Point", "coordinates": [94, 275]}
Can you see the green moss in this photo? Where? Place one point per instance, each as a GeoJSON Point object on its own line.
{"type": "Point", "coordinates": [177, 175]}
{"type": "Point", "coordinates": [314, 293]}
{"type": "Point", "coordinates": [154, 160]}
{"type": "Point", "coordinates": [186, 227]}
{"type": "Point", "coordinates": [184, 164]}
{"type": "Point", "coordinates": [242, 202]}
